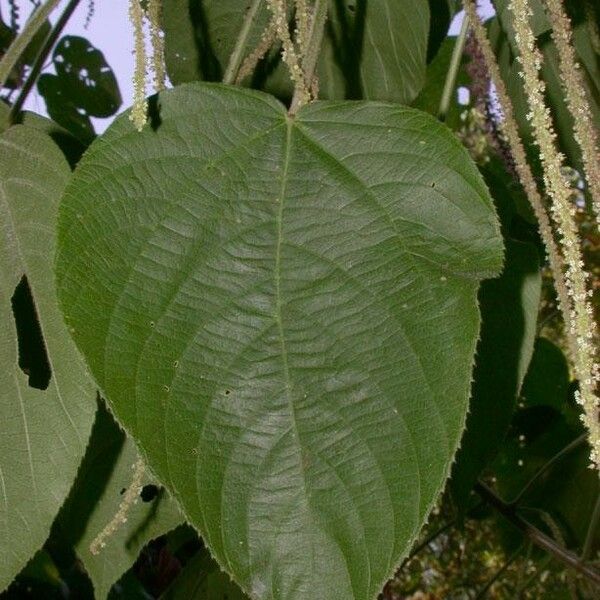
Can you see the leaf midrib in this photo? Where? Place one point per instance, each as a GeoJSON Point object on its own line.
{"type": "Point", "coordinates": [278, 301]}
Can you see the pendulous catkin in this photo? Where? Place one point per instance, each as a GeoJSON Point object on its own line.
{"type": "Point", "coordinates": [586, 132]}
{"type": "Point", "coordinates": [289, 55]}
{"type": "Point", "coordinates": [129, 499]}
{"type": "Point", "coordinates": [508, 125]}
{"type": "Point", "coordinates": [139, 110]}
{"type": "Point", "coordinates": [581, 320]}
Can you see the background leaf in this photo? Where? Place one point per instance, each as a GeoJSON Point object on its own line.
{"type": "Point", "coordinates": [105, 473]}
{"type": "Point", "coordinates": [46, 396]}
{"type": "Point", "coordinates": [431, 94]}
{"type": "Point", "coordinates": [547, 381]}
{"type": "Point", "coordinates": [7, 35]}
{"type": "Point", "coordinates": [366, 52]}
{"type": "Point", "coordinates": [442, 12]}
{"type": "Point", "coordinates": [509, 309]}
{"type": "Point", "coordinates": [84, 86]}
{"type": "Point", "coordinates": [202, 579]}
{"type": "Point", "coordinates": [282, 312]}
{"type": "Point", "coordinates": [502, 36]}
{"type": "Point", "coordinates": [568, 491]}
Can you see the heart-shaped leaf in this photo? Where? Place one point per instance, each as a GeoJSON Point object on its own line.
{"type": "Point", "coordinates": [282, 312]}
{"type": "Point", "coordinates": [46, 397]}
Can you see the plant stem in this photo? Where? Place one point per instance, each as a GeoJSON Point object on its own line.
{"type": "Point", "coordinates": [545, 467]}
{"type": "Point", "coordinates": [591, 532]}
{"type": "Point", "coordinates": [540, 539]}
{"type": "Point", "coordinates": [315, 39]}
{"type": "Point", "coordinates": [40, 60]}
{"type": "Point", "coordinates": [20, 43]}
{"type": "Point", "coordinates": [235, 60]}
{"type": "Point", "coordinates": [450, 83]}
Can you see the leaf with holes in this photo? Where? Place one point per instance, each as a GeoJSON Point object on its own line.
{"type": "Point", "coordinates": [94, 500]}
{"type": "Point", "coordinates": [283, 314]}
{"type": "Point", "coordinates": [46, 397]}
{"type": "Point", "coordinates": [84, 86]}
{"type": "Point", "coordinates": [367, 52]}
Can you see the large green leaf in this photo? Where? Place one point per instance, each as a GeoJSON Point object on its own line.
{"type": "Point", "coordinates": [282, 312]}
{"type": "Point", "coordinates": [104, 475]}
{"type": "Point", "coordinates": [374, 49]}
{"type": "Point", "coordinates": [43, 429]}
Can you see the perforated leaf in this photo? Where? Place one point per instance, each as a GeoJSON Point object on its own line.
{"type": "Point", "coordinates": [46, 398]}
{"type": "Point", "coordinates": [282, 312]}
{"type": "Point", "coordinates": [84, 86]}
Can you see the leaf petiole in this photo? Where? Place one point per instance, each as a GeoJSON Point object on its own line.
{"type": "Point", "coordinates": [40, 59]}
{"type": "Point", "coordinates": [237, 55]}
{"type": "Point", "coordinates": [19, 45]}
{"type": "Point", "coordinates": [450, 82]}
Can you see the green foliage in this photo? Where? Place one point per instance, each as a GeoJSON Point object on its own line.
{"type": "Point", "coordinates": [547, 382]}
{"type": "Point", "coordinates": [298, 381]}
{"type": "Point", "coordinates": [302, 324]}
{"type": "Point", "coordinates": [7, 35]}
{"type": "Point", "coordinates": [84, 86]}
{"type": "Point", "coordinates": [366, 52]}
{"type": "Point", "coordinates": [568, 491]}
{"type": "Point", "coordinates": [430, 95]}
{"type": "Point", "coordinates": [441, 14]}
{"type": "Point", "coordinates": [502, 35]}
{"type": "Point", "coordinates": [104, 475]}
{"type": "Point", "coordinates": [202, 579]}
{"type": "Point", "coordinates": [47, 406]}
{"type": "Point", "coordinates": [509, 306]}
